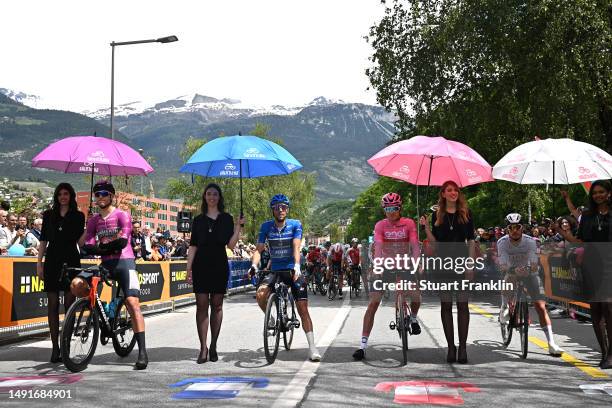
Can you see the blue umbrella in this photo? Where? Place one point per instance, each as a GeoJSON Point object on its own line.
{"type": "Point", "coordinates": [241, 157]}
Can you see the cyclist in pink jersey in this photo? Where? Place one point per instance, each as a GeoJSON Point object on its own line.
{"type": "Point", "coordinates": [394, 235]}
{"type": "Point", "coordinates": [108, 234]}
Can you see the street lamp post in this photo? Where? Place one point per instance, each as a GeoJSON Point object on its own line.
{"type": "Point", "coordinates": [163, 40]}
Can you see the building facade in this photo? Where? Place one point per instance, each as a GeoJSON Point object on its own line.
{"type": "Point", "coordinates": [152, 212]}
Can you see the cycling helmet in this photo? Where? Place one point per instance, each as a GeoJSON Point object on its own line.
{"type": "Point", "coordinates": [104, 185]}
{"type": "Point", "coordinates": [513, 218]}
{"type": "Point", "coordinates": [279, 199]}
{"type": "Point", "coordinates": [354, 241]}
{"type": "Point", "coordinates": [391, 200]}
{"type": "Point", "coordinates": [312, 246]}
{"type": "Point", "coordinates": [327, 244]}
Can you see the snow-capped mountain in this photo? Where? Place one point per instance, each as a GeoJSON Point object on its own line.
{"type": "Point", "coordinates": [33, 101]}
{"type": "Point", "coordinates": [226, 108]}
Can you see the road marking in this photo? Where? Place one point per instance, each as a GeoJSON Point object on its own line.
{"type": "Point", "coordinates": [294, 392]}
{"type": "Point", "coordinates": [587, 368]}
{"type": "Point", "coordinates": [481, 311]}
{"type": "Point", "coordinates": [568, 358]}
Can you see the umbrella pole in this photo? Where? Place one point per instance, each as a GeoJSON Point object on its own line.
{"type": "Point", "coordinates": [418, 216]}
{"type": "Point", "coordinates": [429, 178]}
{"type": "Point", "coordinates": [90, 211]}
{"type": "Point", "coordinates": [553, 191]}
{"type": "Point", "coordinates": [241, 213]}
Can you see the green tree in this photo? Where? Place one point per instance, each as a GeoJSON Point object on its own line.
{"type": "Point", "coordinates": [493, 74]}
{"type": "Point", "coordinates": [298, 186]}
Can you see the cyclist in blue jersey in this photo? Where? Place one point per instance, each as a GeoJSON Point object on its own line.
{"type": "Point", "coordinates": [284, 237]}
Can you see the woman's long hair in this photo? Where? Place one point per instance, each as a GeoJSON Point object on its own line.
{"type": "Point", "coordinates": [220, 205]}
{"type": "Point", "coordinates": [462, 208]}
{"type": "Point", "coordinates": [606, 185]}
{"type": "Point", "coordinates": [72, 203]}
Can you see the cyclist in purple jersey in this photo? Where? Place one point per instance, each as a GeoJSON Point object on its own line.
{"type": "Point", "coordinates": [108, 234]}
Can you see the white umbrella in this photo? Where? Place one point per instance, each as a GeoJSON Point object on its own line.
{"type": "Point", "coordinates": [554, 161]}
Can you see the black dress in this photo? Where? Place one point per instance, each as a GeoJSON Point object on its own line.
{"type": "Point", "coordinates": [62, 235]}
{"type": "Point", "coordinates": [210, 266]}
{"type": "Point", "coordinates": [596, 233]}
{"type": "Point", "coordinates": [451, 243]}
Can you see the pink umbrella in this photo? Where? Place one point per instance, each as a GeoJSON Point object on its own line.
{"type": "Point", "coordinates": [430, 161]}
{"type": "Point", "coordinates": [87, 154]}
{"type": "Point", "coordinates": [91, 154]}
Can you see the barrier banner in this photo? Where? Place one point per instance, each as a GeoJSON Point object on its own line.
{"type": "Point", "coordinates": [238, 273]}
{"type": "Point", "coordinates": [565, 279]}
{"type": "Point", "coordinates": [178, 279]}
{"type": "Point", "coordinates": [29, 297]}
{"type": "Point", "coordinates": [151, 281]}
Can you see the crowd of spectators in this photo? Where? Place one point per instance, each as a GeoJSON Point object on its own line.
{"type": "Point", "coordinates": [20, 235]}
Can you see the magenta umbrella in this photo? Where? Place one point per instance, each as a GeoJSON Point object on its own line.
{"type": "Point", "coordinates": [91, 154]}
{"type": "Point", "coordinates": [431, 161]}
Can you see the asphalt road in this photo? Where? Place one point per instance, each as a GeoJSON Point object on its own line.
{"type": "Point", "coordinates": [495, 377]}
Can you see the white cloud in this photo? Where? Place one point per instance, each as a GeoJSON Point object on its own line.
{"type": "Point", "coordinates": [264, 52]}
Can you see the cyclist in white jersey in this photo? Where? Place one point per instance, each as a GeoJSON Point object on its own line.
{"type": "Point", "coordinates": [518, 259]}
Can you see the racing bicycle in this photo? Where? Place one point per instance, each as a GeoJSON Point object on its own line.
{"type": "Point", "coordinates": [280, 318]}
{"type": "Point", "coordinates": [86, 318]}
{"type": "Point", "coordinates": [518, 308]}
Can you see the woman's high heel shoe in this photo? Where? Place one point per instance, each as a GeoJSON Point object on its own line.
{"type": "Point", "coordinates": [56, 357]}
{"type": "Point", "coordinates": [203, 357]}
{"type": "Point", "coordinates": [451, 356]}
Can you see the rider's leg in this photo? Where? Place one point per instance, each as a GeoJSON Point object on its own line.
{"type": "Point", "coordinates": [300, 294]}
{"type": "Point", "coordinates": [263, 292]}
{"type": "Point", "coordinates": [368, 317]}
{"type": "Point", "coordinates": [216, 317]}
{"type": "Point", "coordinates": [133, 305]}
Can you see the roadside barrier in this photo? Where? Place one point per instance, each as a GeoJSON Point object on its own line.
{"type": "Point", "coordinates": [163, 286]}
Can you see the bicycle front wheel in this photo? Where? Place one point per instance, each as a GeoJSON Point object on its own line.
{"type": "Point", "coordinates": [80, 332]}
{"type": "Point", "coordinates": [506, 328]}
{"type": "Point", "coordinates": [402, 325]}
{"type": "Point", "coordinates": [123, 332]}
{"type": "Point", "coordinates": [524, 327]}
{"type": "Point", "coordinates": [271, 330]}
{"type": "Point", "coordinates": [332, 291]}
{"type": "Point", "coordinates": [288, 333]}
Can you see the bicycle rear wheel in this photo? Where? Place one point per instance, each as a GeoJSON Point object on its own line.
{"type": "Point", "coordinates": [80, 332]}
{"type": "Point", "coordinates": [402, 325]}
{"type": "Point", "coordinates": [271, 331]}
{"type": "Point", "coordinates": [123, 332]}
{"type": "Point", "coordinates": [524, 327]}
{"type": "Point", "coordinates": [288, 334]}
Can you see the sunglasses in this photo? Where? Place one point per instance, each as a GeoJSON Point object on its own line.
{"type": "Point", "coordinates": [101, 193]}
{"type": "Point", "coordinates": [391, 209]}
{"type": "Point", "coordinates": [515, 227]}
{"type": "Point", "coordinates": [281, 207]}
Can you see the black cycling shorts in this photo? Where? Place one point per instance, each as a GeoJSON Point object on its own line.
{"type": "Point", "coordinates": [124, 272]}
{"type": "Point", "coordinates": [533, 283]}
{"type": "Point", "coordinates": [298, 287]}
{"type": "Point", "coordinates": [337, 264]}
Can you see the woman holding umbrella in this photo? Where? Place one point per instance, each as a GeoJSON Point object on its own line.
{"type": "Point", "coordinates": [207, 265]}
{"type": "Point", "coordinates": [62, 227]}
{"type": "Point", "coordinates": [595, 230]}
{"type": "Point", "coordinates": [452, 232]}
